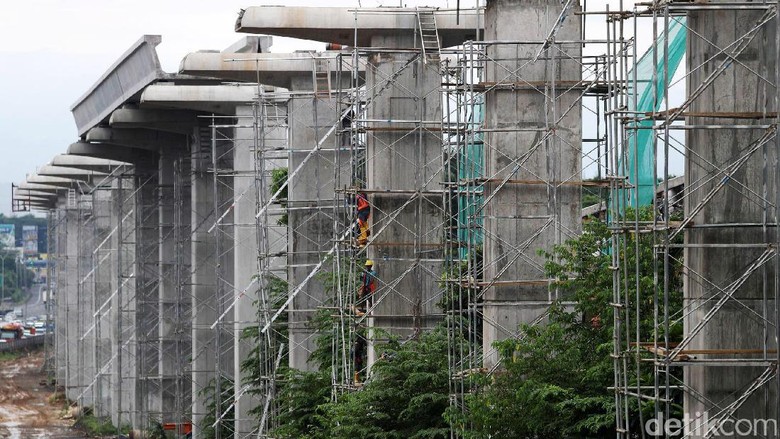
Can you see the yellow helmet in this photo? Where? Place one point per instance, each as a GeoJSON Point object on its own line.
{"type": "Point", "coordinates": [369, 263]}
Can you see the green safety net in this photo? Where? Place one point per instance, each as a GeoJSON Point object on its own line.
{"type": "Point", "coordinates": [638, 160]}
{"type": "Point", "coordinates": [470, 196]}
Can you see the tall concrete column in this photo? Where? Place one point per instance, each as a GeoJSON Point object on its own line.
{"type": "Point", "coordinates": [746, 321]}
{"type": "Point", "coordinates": [66, 299]}
{"type": "Point", "coordinates": [170, 311]}
{"type": "Point", "coordinates": [123, 304]}
{"type": "Point", "coordinates": [146, 294]}
{"type": "Point", "coordinates": [203, 260]}
{"type": "Point", "coordinates": [520, 219]}
{"type": "Point", "coordinates": [246, 259]}
{"type": "Point", "coordinates": [212, 270]}
{"type": "Point", "coordinates": [57, 293]}
{"type": "Point", "coordinates": [310, 194]}
{"type": "Point", "coordinates": [70, 301]}
{"type": "Point", "coordinates": [84, 310]}
{"type": "Point", "coordinates": [103, 321]}
{"type": "Point", "coordinates": [402, 159]}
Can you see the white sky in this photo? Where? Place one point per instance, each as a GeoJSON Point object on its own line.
{"type": "Point", "coordinates": [52, 51]}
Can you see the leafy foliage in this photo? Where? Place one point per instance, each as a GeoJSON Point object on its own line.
{"type": "Point", "coordinates": [226, 410]}
{"type": "Point", "coordinates": [555, 375]}
{"type": "Point", "coordinates": [405, 397]}
{"type": "Point", "coordinates": [554, 378]}
{"type": "Point", "coordinates": [278, 177]}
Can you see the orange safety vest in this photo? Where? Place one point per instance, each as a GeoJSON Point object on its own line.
{"type": "Point", "coordinates": [362, 202]}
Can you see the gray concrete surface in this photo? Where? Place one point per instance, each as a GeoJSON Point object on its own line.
{"type": "Point", "coordinates": [746, 321]}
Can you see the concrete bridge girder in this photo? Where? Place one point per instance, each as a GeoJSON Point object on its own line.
{"type": "Point", "coordinates": [219, 99]}
{"type": "Point", "coordinates": [88, 163]}
{"type": "Point", "coordinates": [169, 121]}
{"type": "Point", "coordinates": [71, 173]}
{"type": "Point", "coordinates": [337, 25]}
{"type": "Point", "coordinates": [276, 69]}
{"type": "Point", "coordinates": [135, 138]}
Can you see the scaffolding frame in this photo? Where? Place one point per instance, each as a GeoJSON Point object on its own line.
{"type": "Point", "coordinates": [673, 361]}
{"type": "Point", "coordinates": [455, 184]}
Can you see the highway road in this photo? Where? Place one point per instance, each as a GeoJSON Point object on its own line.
{"type": "Point", "coordinates": [34, 305]}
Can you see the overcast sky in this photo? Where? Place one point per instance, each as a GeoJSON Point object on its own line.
{"type": "Point", "coordinates": [52, 51]}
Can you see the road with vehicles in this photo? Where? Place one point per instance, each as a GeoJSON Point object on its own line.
{"type": "Point", "coordinates": [35, 306]}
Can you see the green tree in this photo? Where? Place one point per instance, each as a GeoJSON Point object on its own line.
{"type": "Point", "coordinates": [278, 177]}
{"type": "Point", "coordinates": [405, 396]}
{"type": "Point", "coordinates": [555, 376]}
{"type": "Point", "coordinates": [210, 425]}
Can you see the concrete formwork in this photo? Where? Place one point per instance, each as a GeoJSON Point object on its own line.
{"type": "Point", "coordinates": [533, 133]}
{"type": "Point", "coordinates": [722, 254]}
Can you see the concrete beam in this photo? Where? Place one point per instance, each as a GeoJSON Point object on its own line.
{"type": "Point", "coordinates": [103, 151]}
{"type": "Point", "coordinates": [27, 193]}
{"type": "Point", "coordinates": [337, 25]}
{"type": "Point", "coordinates": [51, 181]}
{"type": "Point", "coordinates": [277, 69]}
{"type": "Point", "coordinates": [39, 187]}
{"type": "Point", "coordinates": [132, 72]}
{"type": "Point", "coordinates": [87, 163]}
{"type": "Point", "coordinates": [171, 121]}
{"type": "Point", "coordinates": [72, 173]}
{"type": "Point", "coordinates": [142, 139]}
{"type": "Point", "coordinates": [220, 99]}
{"type": "Point", "coordinates": [38, 204]}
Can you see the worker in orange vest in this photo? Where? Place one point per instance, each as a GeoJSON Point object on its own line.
{"type": "Point", "coordinates": [363, 214]}
{"type": "Point", "coordinates": [366, 290]}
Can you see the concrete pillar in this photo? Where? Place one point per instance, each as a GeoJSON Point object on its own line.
{"type": "Point", "coordinates": [405, 161]}
{"type": "Point", "coordinates": [67, 298]}
{"type": "Point", "coordinates": [203, 280]}
{"type": "Point", "coordinates": [147, 295]}
{"type": "Point", "coordinates": [84, 310]}
{"type": "Point", "coordinates": [212, 268]}
{"type": "Point", "coordinates": [170, 311]}
{"type": "Point", "coordinates": [123, 303]}
{"type": "Point", "coordinates": [103, 322]}
{"type": "Point", "coordinates": [310, 194]}
{"type": "Point", "coordinates": [746, 321]}
{"type": "Point", "coordinates": [529, 216]}
{"type": "Point", "coordinates": [245, 254]}
{"type": "Point", "coordinates": [58, 293]}
{"type": "Point", "coordinates": [70, 301]}
{"type": "Point", "coordinates": [183, 281]}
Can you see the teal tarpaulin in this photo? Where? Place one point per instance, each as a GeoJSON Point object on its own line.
{"type": "Point", "coordinates": [638, 160]}
{"type": "Point", "coordinates": [470, 167]}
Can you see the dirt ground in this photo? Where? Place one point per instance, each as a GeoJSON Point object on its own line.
{"type": "Point", "coordinates": [27, 410]}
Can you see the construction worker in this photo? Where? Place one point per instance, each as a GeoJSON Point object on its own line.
{"type": "Point", "coordinates": [366, 289]}
{"type": "Point", "coordinates": [364, 302]}
{"type": "Point", "coordinates": [363, 214]}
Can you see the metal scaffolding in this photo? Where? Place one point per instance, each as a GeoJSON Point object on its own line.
{"type": "Point", "coordinates": [230, 255]}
